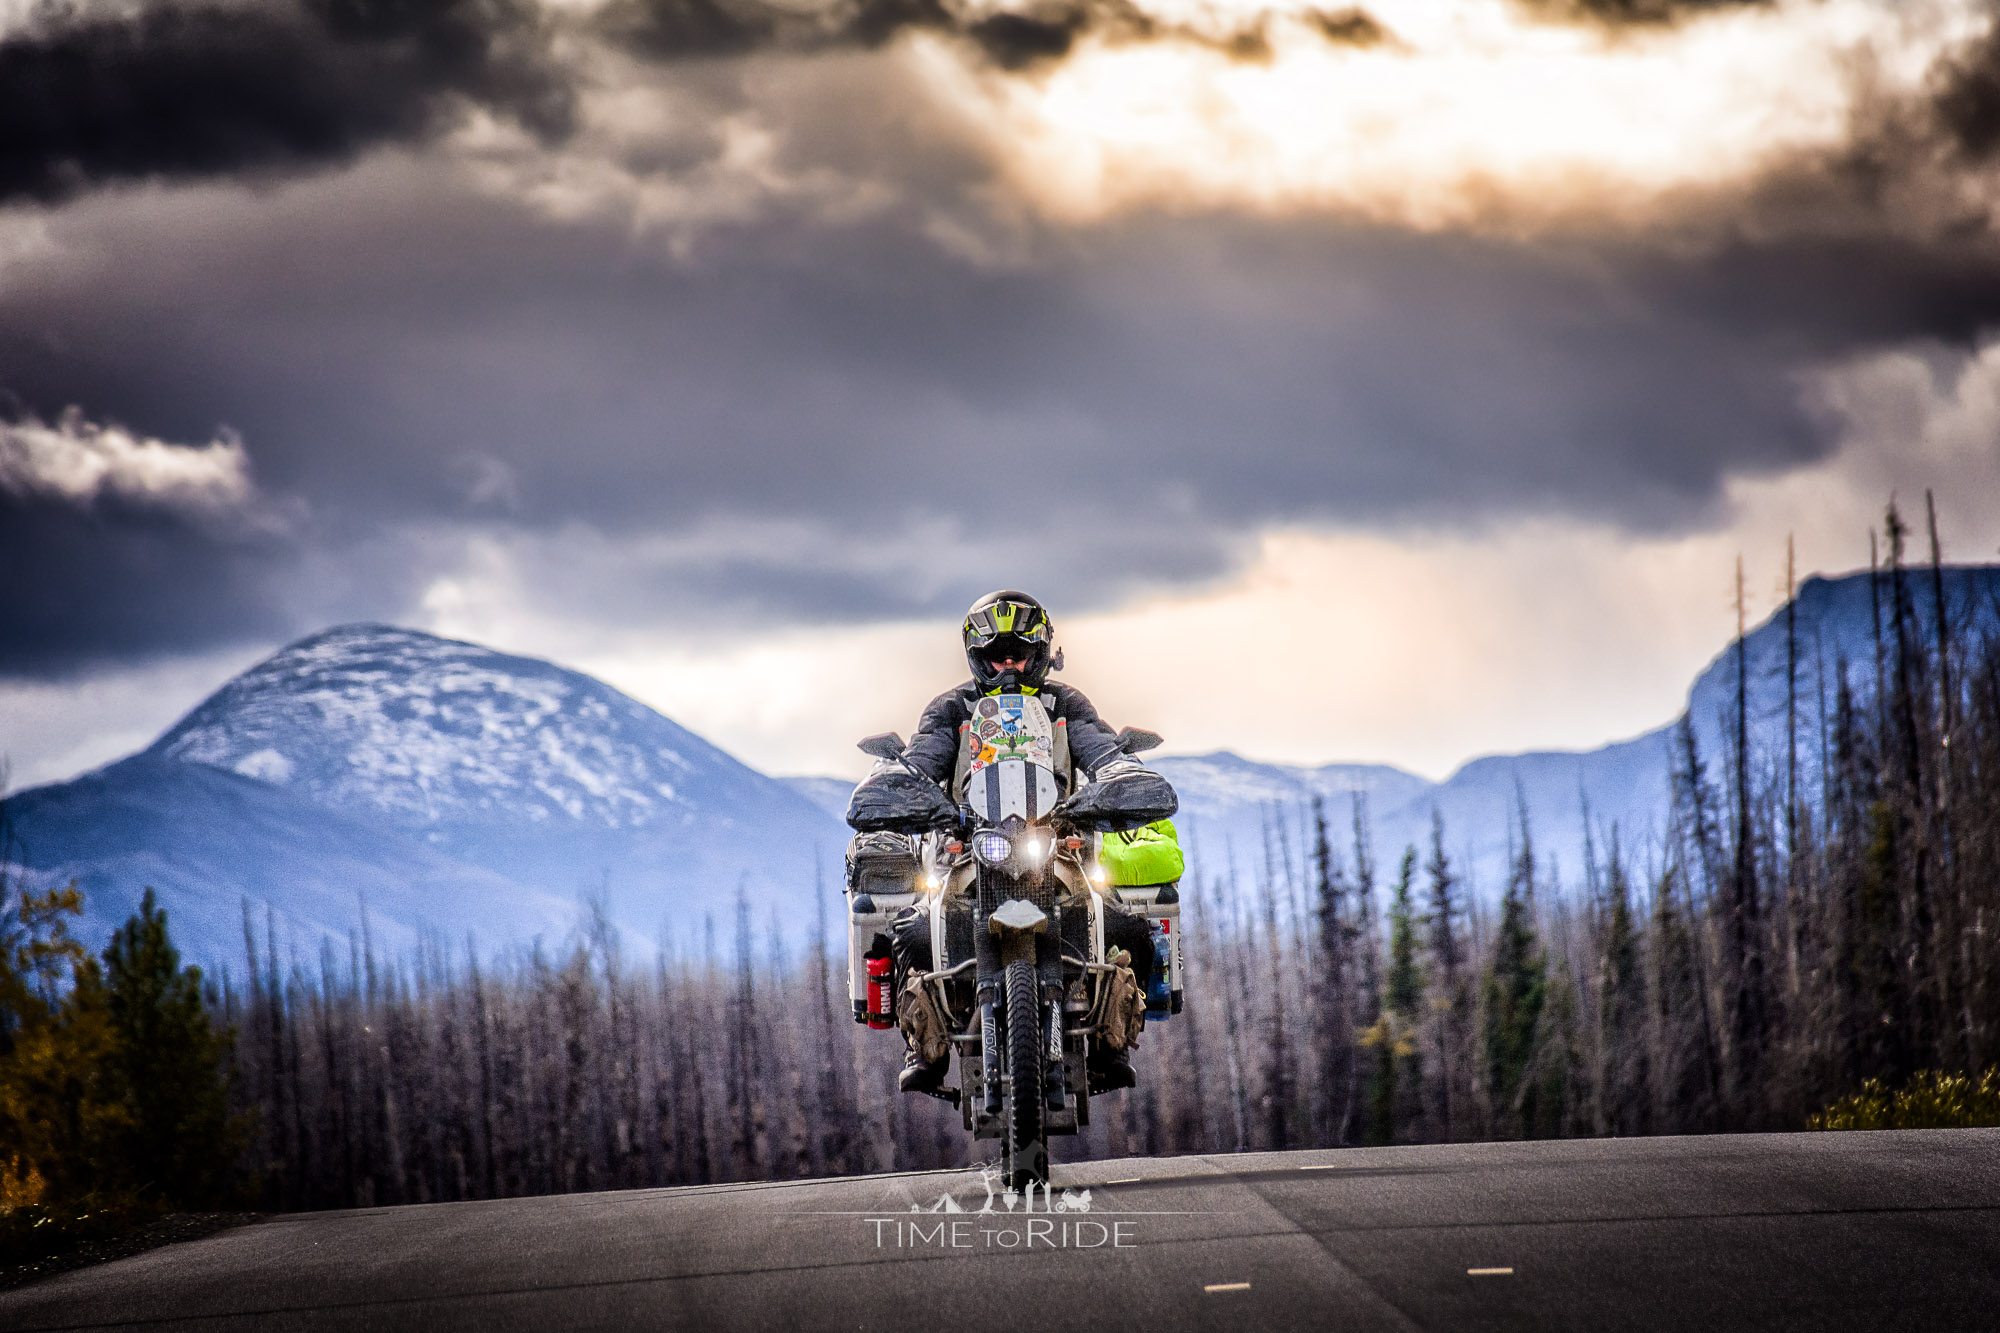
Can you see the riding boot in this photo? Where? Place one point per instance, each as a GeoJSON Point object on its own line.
{"type": "Point", "coordinates": [920, 1075]}
{"type": "Point", "coordinates": [1111, 1070]}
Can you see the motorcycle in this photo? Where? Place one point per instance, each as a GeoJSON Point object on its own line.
{"type": "Point", "coordinates": [1020, 986]}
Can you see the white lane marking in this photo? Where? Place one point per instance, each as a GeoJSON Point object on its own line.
{"type": "Point", "coordinates": [1129, 1180]}
{"type": "Point", "coordinates": [1227, 1286]}
{"type": "Point", "coordinates": [1324, 1166]}
{"type": "Point", "coordinates": [1489, 1272]}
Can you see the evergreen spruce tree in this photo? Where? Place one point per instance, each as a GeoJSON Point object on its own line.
{"type": "Point", "coordinates": [1404, 991]}
{"type": "Point", "coordinates": [1395, 1107]}
{"type": "Point", "coordinates": [1333, 1021]}
{"type": "Point", "coordinates": [1555, 1102]}
{"type": "Point", "coordinates": [1447, 952]}
{"type": "Point", "coordinates": [1514, 990]}
{"type": "Point", "coordinates": [1625, 1075]}
{"type": "Point", "coordinates": [181, 1142]}
{"type": "Point", "coordinates": [1688, 1075]}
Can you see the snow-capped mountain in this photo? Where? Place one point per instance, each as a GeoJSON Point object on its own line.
{"type": "Point", "coordinates": [507, 761]}
{"type": "Point", "coordinates": [1228, 803]}
{"type": "Point", "coordinates": [450, 788]}
{"type": "Point", "coordinates": [429, 734]}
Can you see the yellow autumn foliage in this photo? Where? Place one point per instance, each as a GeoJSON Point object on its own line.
{"type": "Point", "coordinates": [21, 1185]}
{"type": "Point", "coordinates": [1932, 1099]}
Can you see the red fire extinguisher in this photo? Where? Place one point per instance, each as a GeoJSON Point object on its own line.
{"type": "Point", "coordinates": [881, 991]}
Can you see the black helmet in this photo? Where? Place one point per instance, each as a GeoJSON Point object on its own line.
{"type": "Point", "coordinates": [1008, 624]}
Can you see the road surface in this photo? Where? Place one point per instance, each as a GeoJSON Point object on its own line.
{"type": "Point", "coordinates": [1820, 1232]}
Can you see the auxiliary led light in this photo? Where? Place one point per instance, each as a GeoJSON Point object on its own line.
{"type": "Point", "coordinates": [992, 848]}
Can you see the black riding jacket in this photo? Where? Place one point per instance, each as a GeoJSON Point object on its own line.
{"type": "Point", "coordinates": [934, 749]}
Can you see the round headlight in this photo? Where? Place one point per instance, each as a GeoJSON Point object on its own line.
{"type": "Point", "coordinates": [992, 848]}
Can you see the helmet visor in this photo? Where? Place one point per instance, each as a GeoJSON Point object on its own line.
{"type": "Point", "coordinates": [1013, 620]}
{"type": "Point", "coordinates": [1007, 647]}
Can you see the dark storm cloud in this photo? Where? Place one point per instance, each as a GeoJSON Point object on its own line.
{"type": "Point", "coordinates": [1016, 41]}
{"type": "Point", "coordinates": [844, 579]}
{"type": "Point", "coordinates": [1012, 40]}
{"type": "Point", "coordinates": [1348, 27]}
{"type": "Point", "coordinates": [200, 89]}
{"type": "Point", "coordinates": [832, 423]}
{"type": "Point", "coordinates": [1914, 163]}
{"type": "Point", "coordinates": [115, 581]}
{"type": "Point", "coordinates": [1967, 99]}
{"type": "Point", "coordinates": [185, 90]}
{"type": "Point", "coordinates": [791, 419]}
{"type": "Point", "coordinates": [1638, 13]}
{"type": "Point", "coordinates": [680, 29]}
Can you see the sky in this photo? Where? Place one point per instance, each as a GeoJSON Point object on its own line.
{"type": "Point", "coordinates": [1397, 383]}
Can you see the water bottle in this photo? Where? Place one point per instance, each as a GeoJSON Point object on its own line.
{"type": "Point", "coordinates": [1167, 906]}
{"type": "Point", "coordinates": [1160, 987]}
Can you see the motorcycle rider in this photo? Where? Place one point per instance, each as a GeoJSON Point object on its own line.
{"type": "Point", "coordinates": [1010, 646]}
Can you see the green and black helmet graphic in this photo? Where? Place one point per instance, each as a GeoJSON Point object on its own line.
{"type": "Point", "coordinates": [1008, 625]}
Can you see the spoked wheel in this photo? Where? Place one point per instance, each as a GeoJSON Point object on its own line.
{"type": "Point", "coordinates": [1027, 1149]}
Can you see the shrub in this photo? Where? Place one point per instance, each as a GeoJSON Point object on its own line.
{"type": "Point", "coordinates": [1932, 1099]}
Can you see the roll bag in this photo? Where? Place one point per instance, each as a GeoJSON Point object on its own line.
{"type": "Point", "coordinates": [1143, 867]}
{"type": "Point", "coordinates": [1123, 794]}
{"type": "Point", "coordinates": [895, 798]}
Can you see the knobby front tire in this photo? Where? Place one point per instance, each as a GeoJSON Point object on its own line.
{"type": "Point", "coordinates": [1026, 1147]}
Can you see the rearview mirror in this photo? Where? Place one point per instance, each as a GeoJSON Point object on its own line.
{"type": "Point", "coordinates": [888, 745]}
{"type": "Point", "coordinates": [1134, 739]}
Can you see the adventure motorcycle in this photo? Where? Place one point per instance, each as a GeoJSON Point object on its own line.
{"type": "Point", "coordinates": [1020, 988]}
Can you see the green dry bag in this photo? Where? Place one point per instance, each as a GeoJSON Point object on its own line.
{"type": "Point", "coordinates": [1147, 855]}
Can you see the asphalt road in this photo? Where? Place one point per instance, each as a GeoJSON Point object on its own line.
{"type": "Point", "coordinates": [1821, 1232]}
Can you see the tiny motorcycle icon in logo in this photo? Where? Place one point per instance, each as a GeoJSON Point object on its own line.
{"type": "Point", "coordinates": [1072, 1200]}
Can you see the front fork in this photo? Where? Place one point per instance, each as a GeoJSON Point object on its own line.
{"type": "Point", "coordinates": [989, 1044]}
{"type": "Point", "coordinates": [1045, 949]}
{"type": "Point", "coordinates": [992, 969]}
{"type": "Point", "coordinates": [1048, 971]}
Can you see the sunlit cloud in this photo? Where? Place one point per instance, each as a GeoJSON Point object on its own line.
{"type": "Point", "coordinates": [82, 462]}
{"type": "Point", "coordinates": [1476, 112]}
